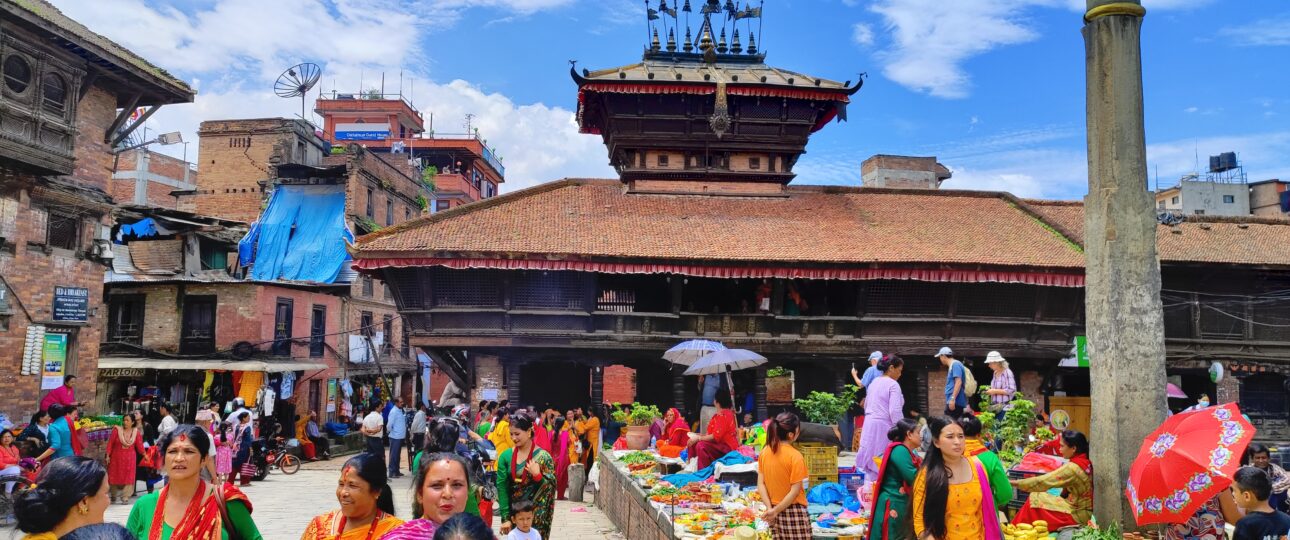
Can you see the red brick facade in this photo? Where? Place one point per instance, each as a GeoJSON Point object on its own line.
{"type": "Point", "coordinates": [620, 384]}
{"type": "Point", "coordinates": [31, 268]}
{"type": "Point", "coordinates": [161, 192]}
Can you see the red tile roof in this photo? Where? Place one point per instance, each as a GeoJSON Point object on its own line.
{"type": "Point", "coordinates": [810, 225]}
{"type": "Point", "coordinates": [1198, 239]}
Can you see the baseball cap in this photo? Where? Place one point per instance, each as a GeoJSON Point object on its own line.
{"type": "Point", "coordinates": [876, 355]}
{"type": "Point", "coordinates": [945, 351]}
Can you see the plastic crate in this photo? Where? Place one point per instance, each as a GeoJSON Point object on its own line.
{"type": "Point", "coordinates": [821, 461]}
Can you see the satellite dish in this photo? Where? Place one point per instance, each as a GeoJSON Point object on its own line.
{"type": "Point", "coordinates": [296, 81]}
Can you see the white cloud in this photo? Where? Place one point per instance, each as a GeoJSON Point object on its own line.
{"type": "Point", "coordinates": [1264, 155]}
{"type": "Point", "coordinates": [1272, 31]}
{"type": "Point", "coordinates": [237, 48]}
{"type": "Point", "coordinates": [932, 39]}
{"type": "Point", "coordinates": [1190, 110]}
{"type": "Point", "coordinates": [862, 34]}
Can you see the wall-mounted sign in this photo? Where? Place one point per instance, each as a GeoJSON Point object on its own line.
{"type": "Point", "coordinates": [1081, 350]}
{"type": "Point", "coordinates": [362, 132]}
{"type": "Point", "coordinates": [71, 304]}
{"type": "Point", "coordinates": [53, 361]}
{"type": "Point", "coordinates": [121, 373]}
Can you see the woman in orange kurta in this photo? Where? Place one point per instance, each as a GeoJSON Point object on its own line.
{"type": "Point", "coordinates": [590, 428]}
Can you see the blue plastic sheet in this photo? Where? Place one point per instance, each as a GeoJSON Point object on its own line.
{"type": "Point", "coordinates": [301, 235]}
{"type": "Point", "coordinates": [681, 479]}
{"type": "Point", "coordinates": [144, 228]}
{"type": "Point", "coordinates": [831, 493]}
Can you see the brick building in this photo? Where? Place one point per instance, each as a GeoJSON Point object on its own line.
{"type": "Point", "coordinates": [461, 166]}
{"type": "Point", "coordinates": [68, 91]}
{"type": "Point", "coordinates": [237, 158]}
{"type": "Point", "coordinates": [148, 178]}
{"type": "Point", "coordinates": [179, 310]}
{"type": "Point", "coordinates": [243, 162]}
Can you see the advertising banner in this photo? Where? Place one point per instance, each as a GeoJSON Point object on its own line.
{"type": "Point", "coordinates": [54, 360]}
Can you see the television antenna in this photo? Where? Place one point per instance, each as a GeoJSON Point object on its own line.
{"type": "Point", "coordinates": [296, 81]}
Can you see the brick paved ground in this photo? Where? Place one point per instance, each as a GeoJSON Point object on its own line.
{"type": "Point", "coordinates": [285, 504]}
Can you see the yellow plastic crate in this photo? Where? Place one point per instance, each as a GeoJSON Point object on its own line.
{"type": "Point", "coordinates": [821, 461]}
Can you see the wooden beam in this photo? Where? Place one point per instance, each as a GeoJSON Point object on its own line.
{"type": "Point", "coordinates": [90, 78]}
{"type": "Point", "coordinates": [121, 117]}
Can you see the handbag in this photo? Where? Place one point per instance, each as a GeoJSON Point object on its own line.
{"type": "Point", "coordinates": [223, 514]}
{"type": "Point", "coordinates": [249, 469]}
{"type": "Point", "coordinates": [150, 458]}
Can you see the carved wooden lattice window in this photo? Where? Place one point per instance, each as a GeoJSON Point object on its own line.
{"type": "Point", "coordinates": [54, 94]}
{"type": "Point", "coordinates": [907, 297]}
{"type": "Point", "coordinates": [549, 290]}
{"type": "Point", "coordinates": [466, 288]}
{"type": "Point", "coordinates": [996, 300]}
{"type": "Point", "coordinates": [17, 73]}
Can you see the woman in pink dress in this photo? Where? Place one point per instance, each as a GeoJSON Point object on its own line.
{"type": "Point", "coordinates": [223, 451]}
{"type": "Point", "coordinates": [561, 456]}
{"type": "Point", "coordinates": [884, 406]}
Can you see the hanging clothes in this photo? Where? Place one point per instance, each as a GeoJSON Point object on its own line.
{"type": "Point", "coordinates": [288, 384]}
{"type": "Point", "coordinates": [268, 398]}
{"type": "Point", "coordinates": [250, 386]}
{"type": "Point", "coordinates": [346, 388]}
{"type": "Point", "coordinates": [206, 386]}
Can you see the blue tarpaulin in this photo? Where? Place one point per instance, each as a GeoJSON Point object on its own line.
{"type": "Point", "coordinates": [301, 235]}
{"type": "Point", "coordinates": [144, 228]}
{"type": "Point", "coordinates": [681, 479]}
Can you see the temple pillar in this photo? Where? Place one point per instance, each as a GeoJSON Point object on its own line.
{"type": "Point", "coordinates": [1124, 318]}
{"type": "Point", "coordinates": [597, 384]}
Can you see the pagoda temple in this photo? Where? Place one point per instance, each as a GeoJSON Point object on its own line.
{"type": "Point", "coordinates": [568, 293]}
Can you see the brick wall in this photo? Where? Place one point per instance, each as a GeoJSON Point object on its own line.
{"type": "Point", "coordinates": [159, 194]}
{"type": "Point", "coordinates": [31, 272]}
{"type": "Point", "coordinates": [389, 178]}
{"type": "Point", "coordinates": [234, 157]}
{"type": "Point", "coordinates": [488, 375]}
{"type": "Point", "coordinates": [620, 384]}
{"type": "Point", "coordinates": [936, 390]}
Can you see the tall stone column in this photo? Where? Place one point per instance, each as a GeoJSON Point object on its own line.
{"type": "Point", "coordinates": [1124, 318]}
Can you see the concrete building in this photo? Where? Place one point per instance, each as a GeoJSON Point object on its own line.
{"type": "Point", "coordinates": [1270, 198]}
{"type": "Point", "coordinates": [147, 178]}
{"type": "Point", "coordinates": [1198, 197]}
{"type": "Point", "coordinates": [904, 172]}
{"type": "Point", "coordinates": [67, 94]}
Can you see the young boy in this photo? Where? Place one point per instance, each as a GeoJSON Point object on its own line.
{"type": "Point", "coordinates": [1251, 488]}
{"type": "Point", "coordinates": [522, 517]}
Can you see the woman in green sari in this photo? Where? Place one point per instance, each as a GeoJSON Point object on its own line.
{"type": "Point", "coordinates": [526, 472]}
{"type": "Point", "coordinates": [896, 473]}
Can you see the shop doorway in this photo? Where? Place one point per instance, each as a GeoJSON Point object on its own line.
{"type": "Point", "coordinates": [197, 335]}
{"type": "Point", "coordinates": [557, 385]}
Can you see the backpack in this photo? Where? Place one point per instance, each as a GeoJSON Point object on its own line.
{"type": "Point", "coordinates": [969, 381]}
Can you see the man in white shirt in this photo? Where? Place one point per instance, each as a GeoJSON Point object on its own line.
{"type": "Point", "coordinates": [373, 429]}
{"type": "Point", "coordinates": [168, 422]}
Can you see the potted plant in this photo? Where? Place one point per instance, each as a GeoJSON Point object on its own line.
{"type": "Point", "coordinates": [638, 420]}
{"type": "Point", "coordinates": [827, 409]}
{"type": "Point", "coordinates": [779, 385]}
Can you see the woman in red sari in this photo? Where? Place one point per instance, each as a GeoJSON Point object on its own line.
{"type": "Point", "coordinates": [188, 508]}
{"type": "Point", "coordinates": [722, 436]}
{"type": "Point", "coordinates": [124, 448]}
{"type": "Point", "coordinates": [561, 456]}
{"type": "Point", "coordinates": [673, 435]}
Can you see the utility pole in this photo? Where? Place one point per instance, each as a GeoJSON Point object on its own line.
{"type": "Point", "coordinates": [1124, 317]}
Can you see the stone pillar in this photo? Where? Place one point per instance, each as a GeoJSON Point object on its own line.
{"type": "Point", "coordinates": [1124, 319]}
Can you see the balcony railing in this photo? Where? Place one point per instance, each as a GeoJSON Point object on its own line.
{"type": "Point", "coordinates": [489, 156]}
{"type": "Point", "coordinates": [477, 321]}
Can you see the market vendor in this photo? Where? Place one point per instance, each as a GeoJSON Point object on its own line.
{"type": "Point", "coordinates": [896, 473]}
{"type": "Point", "coordinates": [1075, 478]}
{"type": "Point", "coordinates": [673, 434]}
{"type": "Point", "coordinates": [721, 438]}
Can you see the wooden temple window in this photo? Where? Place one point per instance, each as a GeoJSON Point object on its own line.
{"type": "Point", "coordinates": [466, 288]}
{"type": "Point", "coordinates": [550, 290]}
{"type": "Point", "coordinates": [891, 297]}
{"type": "Point", "coordinates": [64, 231]}
{"type": "Point", "coordinates": [662, 160]}
{"type": "Point", "coordinates": [754, 163]}
{"type": "Point", "coordinates": [1226, 321]}
{"type": "Point", "coordinates": [996, 300]}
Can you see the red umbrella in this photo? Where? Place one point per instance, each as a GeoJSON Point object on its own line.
{"type": "Point", "coordinates": [1188, 460]}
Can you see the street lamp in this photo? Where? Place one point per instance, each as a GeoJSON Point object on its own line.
{"type": "Point", "coordinates": [166, 139]}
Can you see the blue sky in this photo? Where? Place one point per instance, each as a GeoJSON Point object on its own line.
{"type": "Point", "coordinates": [993, 88]}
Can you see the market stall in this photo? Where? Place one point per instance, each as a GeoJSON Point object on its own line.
{"type": "Point", "coordinates": [647, 503]}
